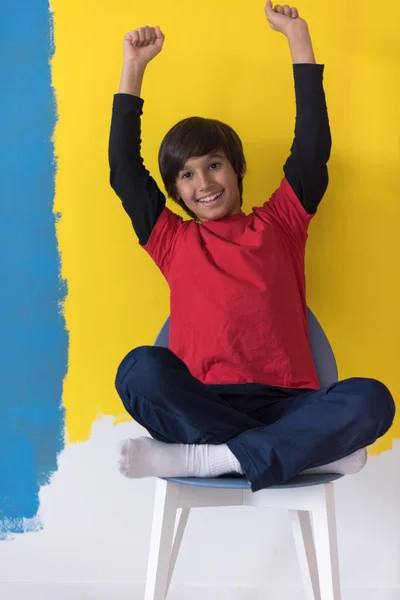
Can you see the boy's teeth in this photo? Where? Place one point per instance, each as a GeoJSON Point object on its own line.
{"type": "Point", "coordinates": [210, 198]}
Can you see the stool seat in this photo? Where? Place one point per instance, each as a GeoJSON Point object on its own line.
{"type": "Point", "coordinates": [242, 483]}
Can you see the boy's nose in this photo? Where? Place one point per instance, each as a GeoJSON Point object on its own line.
{"type": "Point", "coordinates": [204, 182]}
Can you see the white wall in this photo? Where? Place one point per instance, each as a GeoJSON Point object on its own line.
{"type": "Point", "coordinates": [96, 527]}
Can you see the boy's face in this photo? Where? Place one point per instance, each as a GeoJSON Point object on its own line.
{"type": "Point", "coordinates": [208, 185]}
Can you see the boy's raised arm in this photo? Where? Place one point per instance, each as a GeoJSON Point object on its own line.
{"type": "Point", "coordinates": [140, 195]}
{"type": "Point", "coordinates": [306, 168]}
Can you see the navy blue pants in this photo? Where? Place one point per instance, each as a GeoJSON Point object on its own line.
{"type": "Point", "coordinates": [275, 433]}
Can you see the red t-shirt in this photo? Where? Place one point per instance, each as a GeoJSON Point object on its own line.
{"type": "Point", "coordinates": [238, 305]}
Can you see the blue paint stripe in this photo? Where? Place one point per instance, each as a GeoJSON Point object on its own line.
{"type": "Point", "coordinates": [33, 343]}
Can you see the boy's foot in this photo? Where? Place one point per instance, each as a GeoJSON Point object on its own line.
{"type": "Point", "coordinates": [146, 457]}
{"type": "Point", "coordinates": [345, 466]}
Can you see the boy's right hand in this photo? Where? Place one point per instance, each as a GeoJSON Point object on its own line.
{"type": "Point", "coordinates": [143, 44]}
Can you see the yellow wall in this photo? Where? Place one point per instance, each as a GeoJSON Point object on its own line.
{"type": "Point", "coordinates": [222, 60]}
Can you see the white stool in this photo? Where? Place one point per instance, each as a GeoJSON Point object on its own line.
{"type": "Point", "coordinates": [309, 499]}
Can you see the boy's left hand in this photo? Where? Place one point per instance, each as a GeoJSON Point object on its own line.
{"type": "Point", "coordinates": [282, 18]}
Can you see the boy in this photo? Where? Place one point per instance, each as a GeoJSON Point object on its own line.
{"type": "Point", "coordinates": [236, 391]}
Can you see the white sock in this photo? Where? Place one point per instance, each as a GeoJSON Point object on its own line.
{"type": "Point", "coordinates": [146, 457]}
{"type": "Point", "coordinates": [345, 466]}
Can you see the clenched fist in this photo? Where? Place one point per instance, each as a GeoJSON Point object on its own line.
{"type": "Point", "coordinates": [282, 18]}
{"type": "Point", "coordinates": [143, 44]}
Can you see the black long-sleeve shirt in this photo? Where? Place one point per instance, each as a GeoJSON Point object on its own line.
{"type": "Point", "coordinates": [305, 169]}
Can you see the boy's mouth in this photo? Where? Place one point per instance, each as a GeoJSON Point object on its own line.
{"type": "Point", "coordinates": [208, 200]}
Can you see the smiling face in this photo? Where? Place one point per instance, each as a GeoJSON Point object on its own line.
{"type": "Point", "coordinates": [208, 186]}
{"type": "Point", "coordinates": [202, 165]}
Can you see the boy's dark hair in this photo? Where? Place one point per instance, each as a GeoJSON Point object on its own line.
{"type": "Point", "coordinates": [197, 136]}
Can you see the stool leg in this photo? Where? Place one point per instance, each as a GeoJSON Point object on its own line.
{"type": "Point", "coordinates": [304, 540]}
{"type": "Point", "coordinates": [164, 515]}
{"type": "Point", "coordinates": [325, 538]}
{"type": "Point", "coordinates": [180, 530]}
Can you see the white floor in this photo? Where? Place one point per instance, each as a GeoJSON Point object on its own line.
{"type": "Point", "coordinates": [135, 591]}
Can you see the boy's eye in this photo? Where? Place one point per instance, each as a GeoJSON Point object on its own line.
{"type": "Point", "coordinates": [213, 166]}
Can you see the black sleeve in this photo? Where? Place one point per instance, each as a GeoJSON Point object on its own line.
{"type": "Point", "coordinates": [306, 168]}
{"type": "Point", "coordinates": [129, 178]}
